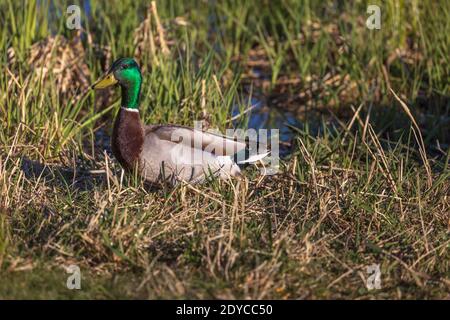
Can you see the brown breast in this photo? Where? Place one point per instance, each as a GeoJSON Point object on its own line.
{"type": "Point", "coordinates": [128, 138]}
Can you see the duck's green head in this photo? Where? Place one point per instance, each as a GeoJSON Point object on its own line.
{"type": "Point", "coordinates": [126, 73]}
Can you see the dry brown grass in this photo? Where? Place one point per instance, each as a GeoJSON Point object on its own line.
{"type": "Point", "coordinates": [309, 232]}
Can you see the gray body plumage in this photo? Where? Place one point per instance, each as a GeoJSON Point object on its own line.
{"type": "Point", "coordinates": [175, 153]}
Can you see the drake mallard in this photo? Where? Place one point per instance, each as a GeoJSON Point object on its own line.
{"type": "Point", "coordinates": [166, 152]}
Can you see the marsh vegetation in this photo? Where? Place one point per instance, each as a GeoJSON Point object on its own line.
{"type": "Point", "coordinates": [364, 177]}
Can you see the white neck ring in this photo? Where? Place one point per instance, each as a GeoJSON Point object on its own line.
{"type": "Point", "coordinates": [130, 109]}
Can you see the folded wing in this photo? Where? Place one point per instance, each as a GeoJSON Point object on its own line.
{"type": "Point", "coordinates": [213, 143]}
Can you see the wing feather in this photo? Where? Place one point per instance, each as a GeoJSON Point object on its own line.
{"type": "Point", "coordinates": [207, 141]}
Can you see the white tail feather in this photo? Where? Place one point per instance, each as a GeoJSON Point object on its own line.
{"type": "Point", "coordinates": [254, 158]}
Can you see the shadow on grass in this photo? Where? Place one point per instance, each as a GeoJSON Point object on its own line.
{"type": "Point", "coordinates": [61, 176]}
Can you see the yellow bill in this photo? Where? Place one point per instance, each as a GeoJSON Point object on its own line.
{"type": "Point", "coordinates": [105, 81]}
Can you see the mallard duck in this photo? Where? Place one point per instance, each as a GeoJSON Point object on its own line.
{"type": "Point", "coordinates": [165, 152]}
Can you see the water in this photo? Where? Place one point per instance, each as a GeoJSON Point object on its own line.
{"type": "Point", "coordinates": [261, 116]}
